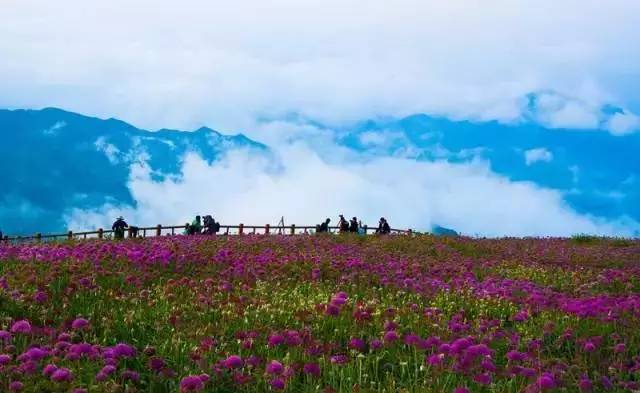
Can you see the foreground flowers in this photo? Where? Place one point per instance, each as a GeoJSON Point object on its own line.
{"type": "Point", "coordinates": [300, 313]}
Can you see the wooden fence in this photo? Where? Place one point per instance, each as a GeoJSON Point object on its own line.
{"type": "Point", "coordinates": [160, 230]}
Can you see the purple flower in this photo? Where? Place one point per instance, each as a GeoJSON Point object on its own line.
{"type": "Point", "coordinates": [277, 384]}
{"type": "Point", "coordinates": [515, 356]}
{"type": "Point", "coordinates": [275, 340]}
{"type": "Point", "coordinates": [332, 310]}
{"type": "Point", "coordinates": [435, 359]}
{"type": "Point", "coordinates": [108, 370]}
{"type": "Point", "coordinates": [79, 323]}
{"type": "Point", "coordinates": [589, 346]}
{"type": "Point", "coordinates": [357, 344]}
{"type": "Point", "coordinates": [585, 384]}
{"type": "Point", "coordinates": [483, 379]}
{"type": "Point", "coordinates": [156, 364]}
{"type": "Point", "coordinates": [375, 344]}
{"type": "Point", "coordinates": [49, 369]}
{"type": "Point", "coordinates": [5, 336]}
{"type": "Point", "coordinates": [191, 383]}
{"type": "Point", "coordinates": [22, 326]}
{"type": "Point", "coordinates": [339, 359]}
{"type": "Point", "coordinates": [312, 369]}
{"type": "Point", "coordinates": [16, 386]}
{"type": "Point", "coordinates": [124, 350]}
{"type": "Point", "coordinates": [390, 336]}
{"type": "Point", "coordinates": [606, 383]}
{"type": "Point", "coordinates": [274, 367]}
{"type": "Point", "coordinates": [79, 390]}
{"type": "Point", "coordinates": [5, 359]}
{"type": "Point", "coordinates": [130, 375]}
{"type": "Point", "coordinates": [546, 381]}
{"type": "Point", "coordinates": [40, 297]}
{"type": "Point", "coordinates": [461, 390]}
{"type": "Point", "coordinates": [62, 375]}
{"type": "Point", "coordinates": [619, 348]}
{"type": "Point", "coordinates": [233, 361]}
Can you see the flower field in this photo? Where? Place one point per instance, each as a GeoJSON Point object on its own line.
{"type": "Point", "coordinates": [320, 314]}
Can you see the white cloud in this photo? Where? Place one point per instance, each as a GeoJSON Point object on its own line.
{"type": "Point", "coordinates": [537, 155]}
{"type": "Point", "coordinates": [623, 123]}
{"type": "Point", "coordinates": [556, 111]}
{"type": "Point", "coordinates": [305, 188]}
{"type": "Point", "coordinates": [53, 130]}
{"type": "Point", "coordinates": [183, 64]}
{"type": "Point", "coordinates": [109, 150]}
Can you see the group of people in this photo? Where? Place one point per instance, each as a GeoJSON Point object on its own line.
{"type": "Point", "coordinates": [202, 225]}
{"type": "Point", "coordinates": [353, 226]}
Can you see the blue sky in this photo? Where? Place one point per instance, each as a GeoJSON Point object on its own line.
{"type": "Point", "coordinates": [253, 66]}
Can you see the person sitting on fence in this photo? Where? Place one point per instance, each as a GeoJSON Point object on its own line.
{"type": "Point", "coordinates": [383, 227]}
{"type": "Point", "coordinates": [324, 227]}
{"type": "Point", "coordinates": [118, 228]}
{"type": "Point", "coordinates": [210, 225]}
{"type": "Point", "coordinates": [343, 224]}
{"type": "Point", "coordinates": [133, 231]}
{"type": "Point", "coordinates": [196, 226]}
{"type": "Point", "coordinates": [353, 225]}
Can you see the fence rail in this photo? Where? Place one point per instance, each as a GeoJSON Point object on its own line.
{"type": "Point", "coordinates": [160, 230]}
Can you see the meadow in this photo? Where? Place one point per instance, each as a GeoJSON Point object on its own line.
{"type": "Point", "coordinates": [321, 314]}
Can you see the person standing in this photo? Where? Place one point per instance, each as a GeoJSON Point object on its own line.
{"type": "Point", "coordinates": [118, 228]}
{"type": "Point", "coordinates": [353, 225]}
{"type": "Point", "coordinates": [196, 226]}
{"type": "Point", "coordinates": [343, 224]}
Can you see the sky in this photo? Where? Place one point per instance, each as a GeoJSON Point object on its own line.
{"type": "Point", "coordinates": [249, 66]}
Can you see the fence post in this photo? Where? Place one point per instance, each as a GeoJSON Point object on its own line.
{"type": "Point", "coordinates": [70, 235]}
{"type": "Point", "coordinates": [266, 229]}
{"type": "Point", "coordinates": [293, 229]}
{"type": "Point", "coordinates": [159, 230]}
{"type": "Point", "coordinates": [366, 230]}
{"type": "Point", "coordinates": [240, 229]}
{"type": "Point", "coordinates": [100, 233]}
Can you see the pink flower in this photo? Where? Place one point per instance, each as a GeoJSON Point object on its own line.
{"type": "Point", "coordinates": [461, 390]}
{"type": "Point", "coordinates": [22, 326]}
{"type": "Point", "coordinates": [619, 348]}
{"type": "Point", "coordinates": [16, 386]}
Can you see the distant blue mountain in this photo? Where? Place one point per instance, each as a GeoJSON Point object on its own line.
{"type": "Point", "coordinates": [53, 160]}
{"type": "Point", "coordinates": [598, 173]}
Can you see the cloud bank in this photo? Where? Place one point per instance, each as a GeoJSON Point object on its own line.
{"type": "Point", "coordinates": [305, 188]}
{"type": "Point", "coordinates": [193, 62]}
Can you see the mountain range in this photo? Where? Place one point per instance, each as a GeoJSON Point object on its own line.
{"type": "Point", "coordinates": [53, 160]}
